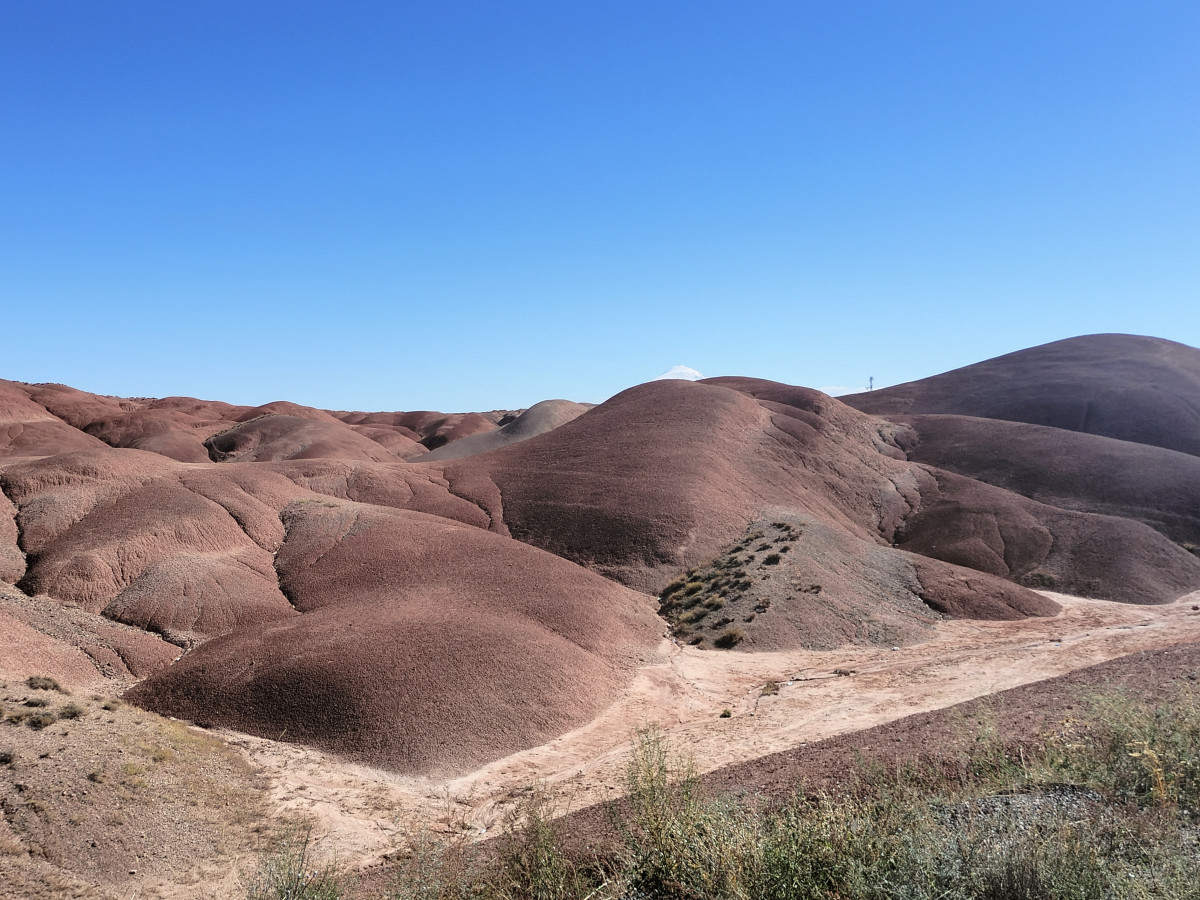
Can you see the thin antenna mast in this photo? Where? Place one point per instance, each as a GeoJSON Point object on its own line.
{"type": "Point", "coordinates": [871, 383]}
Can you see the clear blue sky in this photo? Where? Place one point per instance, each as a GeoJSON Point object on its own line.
{"type": "Point", "coordinates": [468, 205]}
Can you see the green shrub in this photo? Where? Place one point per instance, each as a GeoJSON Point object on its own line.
{"type": "Point", "coordinates": [533, 864]}
{"type": "Point", "coordinates": [920, 833]}
{"type": "Point", "coordinates": [1146, 755]}
{"type": "Point", "coordinates": [288, 871]}
{"type": "Point", "coordinates": [678, 844]}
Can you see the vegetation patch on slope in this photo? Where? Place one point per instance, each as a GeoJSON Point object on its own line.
{"type": "Point", "coordinates": [1104, 805]}
{"type": "Point", "coordinates": [101, 799]}
{"type": "Point", "coordinates": [792, 581]}
{"type": "Point", "coordinates": [709, 604]}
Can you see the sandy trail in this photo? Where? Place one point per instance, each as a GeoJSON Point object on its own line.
{"type": "Point", "coordinates": [361, 811]}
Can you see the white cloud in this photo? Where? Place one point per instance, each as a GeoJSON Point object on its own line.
{"type": "Point", "coordinates": [682, 372]}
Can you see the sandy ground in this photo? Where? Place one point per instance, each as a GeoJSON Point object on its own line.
{"type": "Point", "coordinates": [360, 813]}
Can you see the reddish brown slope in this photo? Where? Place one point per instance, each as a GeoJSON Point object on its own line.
{"type": "Point", "coordinates": [981, 527]}
{"type": "Point", "coordinates": [174, 427]}
{"type": "Point", "coordinates": [121, 532]}
{"type": "Point", "coordinates": [401, 609]}
{"type": "Point", "coordinates": [28, 429]}
{"type": "Point", "coordinates": [666, 475]}
{"type": "Point", "coordinates": [190, 548]}
{"type": "Point", "coordinates": [45, 419]}
{"type": "Point", "coordinates": [1068, 469]}
{"type": "Point", "coordinates": [538, 419]}
{"type": "Point", "coordinates": [1139, 389]}
{"type": "Point", "coordinates": [40, 637]}
{"type": "Point", "coordinates": [425, 645]}
{"type": "Point", "coordinates": [271, 438]}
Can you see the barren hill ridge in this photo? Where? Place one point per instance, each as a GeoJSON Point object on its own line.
{"type": "Point", "coordinates": [428, 591]}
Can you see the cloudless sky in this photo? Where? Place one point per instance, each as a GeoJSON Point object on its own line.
{"type": "Point", "coordinates": [469, 205]}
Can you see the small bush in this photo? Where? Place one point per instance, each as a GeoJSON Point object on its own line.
{"type": "Point", "coordinates": [770, 688]}
{"type": "Point", "coordinates": [111, 704]}
{"type": "Point", "coordinates": [725, 714]}
{"type": "Point", "coordinates": [729, 638]}
{"type": "Point", "coordinates": [532, 862]}
{"type": "Point", "coordinates": [772, 559]}
{"type": "Point", "coordinates": [71, 711]}
{"type": "Point", "coordinates": [1147, 756]}
{"type": "Point", "coordinates": [40, 720]}
{"type": "Point", "coordinates": [288, 871]}
{"type": "Point", "coordinates": [672, 588]}
{"type": "Point", "coordinates": [7, 757]}
{"type": "Point", "coordinates": [45, 683]}
{"type": "Point", "coordinates": [37, 702]}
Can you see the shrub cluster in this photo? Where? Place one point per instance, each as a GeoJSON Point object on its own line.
{"type": "Point", "coordinates": [724, 583]}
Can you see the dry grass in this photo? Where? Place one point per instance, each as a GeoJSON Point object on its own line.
{"type": "Point", "coordinates": [106, 789]}
{"type": "Point", "coordinates": [1105, 807]}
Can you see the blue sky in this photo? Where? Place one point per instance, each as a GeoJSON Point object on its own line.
{"type": "Point", "coordinates": [467, 205]}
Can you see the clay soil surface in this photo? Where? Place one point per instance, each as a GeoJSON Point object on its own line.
{"type": "Point", "coordinates": [361, 814]}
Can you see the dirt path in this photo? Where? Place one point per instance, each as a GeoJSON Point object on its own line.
{"type": "Point", "coordinates": [360, 810]}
